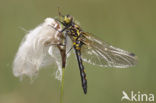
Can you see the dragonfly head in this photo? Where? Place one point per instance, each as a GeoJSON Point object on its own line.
{"type": "Point", "coordinates": [67, 19]}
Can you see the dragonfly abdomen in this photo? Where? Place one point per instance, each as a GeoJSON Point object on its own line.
{"type": "Point", "coordinates": [82, 72]}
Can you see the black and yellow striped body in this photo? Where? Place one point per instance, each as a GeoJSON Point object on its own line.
{"type": "Point", "coordinates": [75, 34]}
{"type": "Point", "coordinates": [82, 72]}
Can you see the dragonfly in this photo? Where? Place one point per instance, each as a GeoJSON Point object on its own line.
{"type": "Point", "coordinates": [92, 50]}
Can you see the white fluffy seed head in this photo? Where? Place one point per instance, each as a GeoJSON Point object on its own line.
{"type": "Point", "coordinates": [37, 50]}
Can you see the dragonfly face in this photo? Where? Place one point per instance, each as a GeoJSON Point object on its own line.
{"type": "Point", "coordinates": [94, 51]}
{"type": "Point", "coordinates": [67, 20]}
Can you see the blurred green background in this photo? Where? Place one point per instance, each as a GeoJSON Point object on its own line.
{"type": "Point", "coordinates": [128, 24]}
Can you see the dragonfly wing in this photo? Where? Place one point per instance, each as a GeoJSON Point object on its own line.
{"type": "Point", "coordinates": [100, 53]}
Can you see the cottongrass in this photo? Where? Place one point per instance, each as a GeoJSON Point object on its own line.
{"type": "Point", "coordinates": [38, 50]}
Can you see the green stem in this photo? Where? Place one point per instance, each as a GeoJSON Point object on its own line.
{"type": "Point", "coordinates": [62, 86]}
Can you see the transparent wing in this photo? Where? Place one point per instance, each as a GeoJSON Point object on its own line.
{"type": "Point", "coordinates": [100, 53]}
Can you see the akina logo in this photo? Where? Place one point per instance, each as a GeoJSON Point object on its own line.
{"type": "Point", "coordinates": [137, 96]}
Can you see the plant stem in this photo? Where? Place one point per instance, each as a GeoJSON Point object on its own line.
{"type": "Point", "coordinates": [62, 86]}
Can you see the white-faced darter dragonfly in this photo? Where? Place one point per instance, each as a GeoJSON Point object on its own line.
{"type": "Point", "coordinates": [92, 50]}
